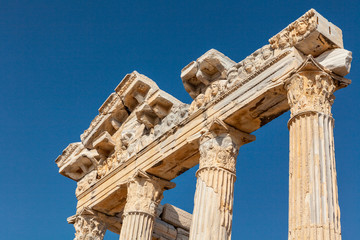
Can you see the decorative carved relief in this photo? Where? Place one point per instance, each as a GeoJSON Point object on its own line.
{"type": "Point", "coordinates": [236, 74]}
{"type": "Point", "coordinates": [89, 227]}
{"type": "Point", "coordinates": [211, 92]}
{"type": "Point", "coordinates": [86, 182]}
{"type": "Point", "coordinates": [251, 64]}
{"type": "Point", "coordinates": [218, 151]}
{"type": "Point", "coordinates": [295, 32]}
{"type": "Point", "coordinates": [198, 102]}
{"type": "Point", "coordinates": [310, 91]}
{"type": "Point", "coordinates": [135, 138]}
{"type": "Point", "coordinates": [68, 151]}
{"type": "Point", "coordinates": [145, 193]}
{"type": "Point", "coordinates": [198, 75]}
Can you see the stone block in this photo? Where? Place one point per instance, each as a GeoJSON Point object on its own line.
{"type": "Point", "coordinates": [336, 60]}
{"type": "Point", "coordinates": [163, 230]}
{"type": "Point", "coordinates": [176, 216]}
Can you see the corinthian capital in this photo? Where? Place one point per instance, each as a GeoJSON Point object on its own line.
{"type": "Point", "coordinates": [310, 91]}
{"type": "Point", "coordinates": [218, 151]}
{"type": "Point", "coordinates": [88, 225]}
{"type": "Point", "coordinates": [145, 193]}
{"type": "Point", "coordinates": [220, 144]}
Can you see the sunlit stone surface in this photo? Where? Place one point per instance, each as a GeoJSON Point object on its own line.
{"type": "Point", "coordinates": [143, 138]}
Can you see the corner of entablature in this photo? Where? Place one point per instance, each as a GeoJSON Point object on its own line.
{"type": "Point", "coordinates": [311, 34]}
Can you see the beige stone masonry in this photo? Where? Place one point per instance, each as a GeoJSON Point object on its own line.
{"type": "Point", "coordinates": [213, 201]}
{"type": "Point", "coordinates": [176, 216]}
{"type": "Point", "coordinates": [144, 195]}
{"type": "Point", "coordinates": [314, 211]}
{"type": "Point", "coordinates": [88, 225]}
{"type": "Point", "coordinates": [143, 137]}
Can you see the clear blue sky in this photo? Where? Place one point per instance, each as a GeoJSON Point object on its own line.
{"type": "Point", "coordinates": [59, 60]}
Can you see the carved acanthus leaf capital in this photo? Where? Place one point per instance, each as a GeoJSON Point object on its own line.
{"type": "Point", "coordinates": [219, 145]}
{"type": "Point", "coordinates": [88, 225]}
{"type": "Point", "coordinates": [218, 151]}
{"type": "Point", "coordinates": [310, 91]}
{"type": "Point", "coordinates": [145, 193]}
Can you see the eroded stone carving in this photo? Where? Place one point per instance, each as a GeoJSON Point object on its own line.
{"type": "Point", "coordinates": [295, 32]}
{"type": "Point", "coordinates": [249, 66]}
{"type": "Point", "coordinates": [145, 193]}
{"type": "Point", "coordinates": [143, 197]}
{"type": "Point", "coordinates": [88, 226]}
{"type": "Point", "coordinates": [216, 177]}
{"type": "Point", "coordinates": [210, 67]}
{"type": "Point", "coordinates": [77, 161]}
{"type": "Point", "coordinates": [323, 34]}
{"type": "Point", "coordinates": [140, 127]}
{"type": "Point", "coordinates": [218, 152]}
{"type": "Point", "coordinates": [310, 91]}
{"type": "Point", "coordinates": [86, 182]}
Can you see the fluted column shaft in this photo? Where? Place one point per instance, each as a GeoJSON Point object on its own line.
{"type": "Point", "coordinates": [137, 225]}
{"type": "Point", "coordinates": [214, 196]}
{"type": "Point", "coordinates": [144, 195]}
{"type": "Point", "coordinates": [314, 211]}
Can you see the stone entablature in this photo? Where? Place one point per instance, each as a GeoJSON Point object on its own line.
{"type": "Point", "coordinates": [171, 223]}
{"type": "Point", "coordinates": [146, 134]}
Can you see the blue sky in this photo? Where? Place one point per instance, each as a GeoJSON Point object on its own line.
{"type": "Point", "coordinates": [59, 60]}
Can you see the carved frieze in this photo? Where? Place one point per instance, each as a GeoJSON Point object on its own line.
{"type": "Point", "coordinates": [86, 182]}
{"type": "Point", "coordinates": [311, 34]}
{"type": "Point", "coordinates": [295, 32]}
{"type": "Point", "coordinates": [137, 135]}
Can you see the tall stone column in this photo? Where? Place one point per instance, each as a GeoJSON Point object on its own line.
{"type": "Point", "coordinates": [144, 195]}
{"type": "Point", "coordinates": [88, 225]}
{"type": "Point", "coordinates": [213, 201]}
{"type": "Point", "coordinates": [314, 211]}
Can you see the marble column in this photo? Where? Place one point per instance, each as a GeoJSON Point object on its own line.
{"type": "Point", "coordinates": [144, 195]}
{"type": "Point", "coordinates": [213, 201]}
{"type": "Point", "coordinates": [88, 225]}
{"type": "Point", "coordinates": [314, 211]}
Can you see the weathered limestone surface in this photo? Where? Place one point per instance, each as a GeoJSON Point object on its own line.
{"type": "Point", "coordinates": [337, 60]}
{"type": "Point", "coordinates": [213, 202]}
{"type": "Point", "coordinates": [176, 216]}
{"type": "Point", "coordinates": [143, 137]}
{"type": "Point", "coordinates": [88, 225]}
{"type": "Point", "coordinates": [163, 228]}
{"type": "Point", "coordinates": [314, 211]}
{"type": "Point", "coordinates": [144, 196]}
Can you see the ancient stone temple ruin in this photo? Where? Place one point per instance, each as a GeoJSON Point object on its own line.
{"type": "Point", "coordinates": [143, 138]}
